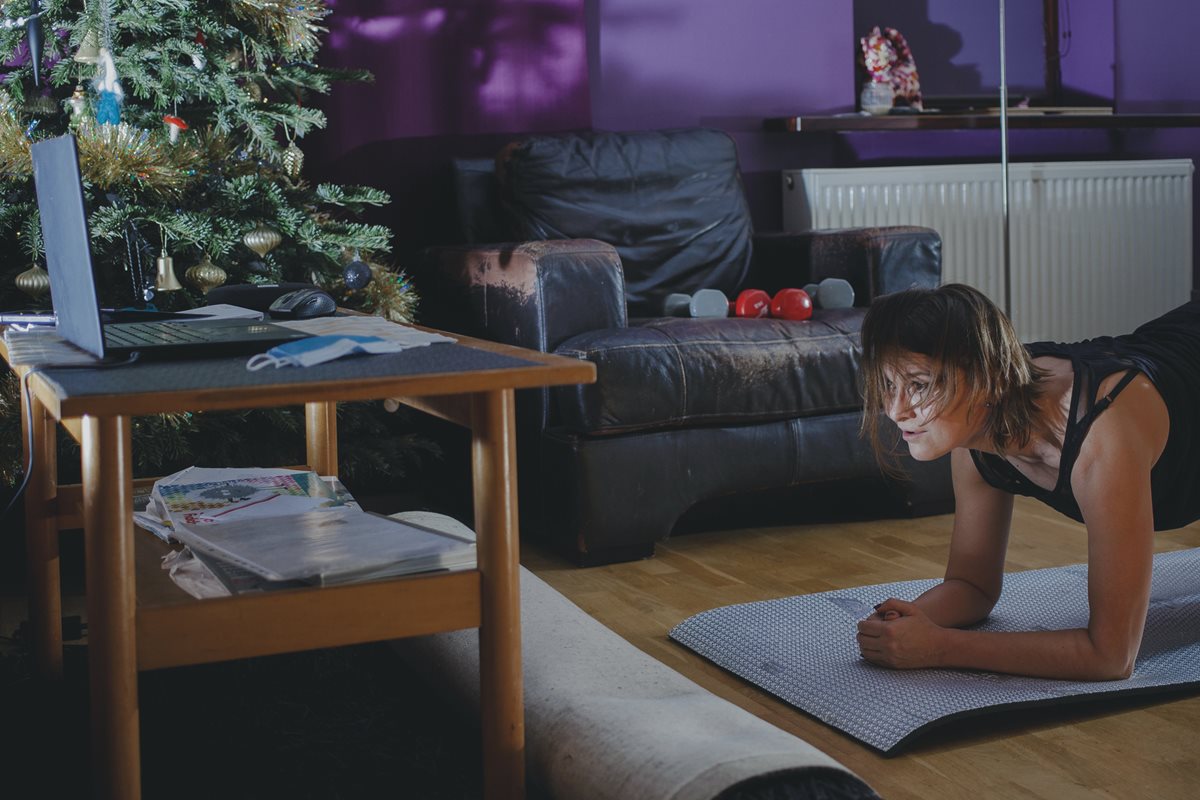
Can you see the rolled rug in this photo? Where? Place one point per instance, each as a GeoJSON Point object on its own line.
{"type": "Point", "coordinates": [604, 720]}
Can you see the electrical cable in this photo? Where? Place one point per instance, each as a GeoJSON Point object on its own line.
{"type": "Point", "coordinates": [25, 390]}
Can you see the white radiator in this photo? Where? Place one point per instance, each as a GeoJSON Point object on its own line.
{"type": "Point", "coordinates": [1096, 247]}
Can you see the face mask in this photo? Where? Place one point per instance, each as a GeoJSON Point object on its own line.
{"type": "Point", "coordinates": [319, 349]}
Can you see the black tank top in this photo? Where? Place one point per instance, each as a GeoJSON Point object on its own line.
{"type": "Point", "coordinates": [1167, 351]}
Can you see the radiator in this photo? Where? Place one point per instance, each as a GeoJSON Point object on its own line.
{"type": "Point", "coordinates": [1096, 248]}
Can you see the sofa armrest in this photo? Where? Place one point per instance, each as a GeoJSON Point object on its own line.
{"type": "Point", "coordinates": [876, 261]}
{"type": "Point", "coordinates": [533, 294]}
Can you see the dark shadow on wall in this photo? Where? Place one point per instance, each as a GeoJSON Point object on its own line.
{"type": "Point", "coordinates": [445, 69]}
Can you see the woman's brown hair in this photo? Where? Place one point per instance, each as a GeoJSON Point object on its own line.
{"type": "Point", "coordinates": [974, 350]}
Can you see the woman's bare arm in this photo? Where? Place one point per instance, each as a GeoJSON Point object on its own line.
{"type": "Point", "coordinates": [1111, 482]}
{"type": "Point", "coordinates": [975, 569]}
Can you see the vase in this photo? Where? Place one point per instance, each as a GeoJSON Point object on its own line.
{"type": "Point", "coordinates": [876, 98]}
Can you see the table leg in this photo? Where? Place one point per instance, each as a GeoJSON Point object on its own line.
{"type": "Point", "coordinates": [111, 604]}
{"type": "Point", "coordinates": [502, 703]}
{"type": "Point", "coordinates": [41, 539]}
{"type": "Point", "coordinates": [320, 423]}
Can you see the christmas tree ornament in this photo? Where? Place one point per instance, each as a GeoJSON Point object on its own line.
{"type": "Point", "coordinates": [89, 48]}
{"type": "Point", "coordinates": [165, 280]}
{"type": "Point", "coordinates": [390, 295]}
{"type": "Point", "coordinates": [77, 102]}
{"type": "Point", "coordinates": [174, 126]}
{"type": "Point", "coordinates": [356, 274]}
{"type": "Point", "coordinates": [33, 34]}
{"type": "Point", "coordinates": [205, 275]}
{"type": "Point", "coordinates": [262, 240]}
{"type": "Point", "coordinates": [34, 281]}
{"type": "Point", "coordinates": [42, 106]}
{"type": "Point", "coordinates": [293, 160]}
{"type": "Point", "coordinates": [108, 88]}
{"type": "Point", "coordinates": [258, 267]}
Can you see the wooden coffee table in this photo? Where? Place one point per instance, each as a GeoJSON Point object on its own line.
{"type": "Point", "coordinates": [139, 620]}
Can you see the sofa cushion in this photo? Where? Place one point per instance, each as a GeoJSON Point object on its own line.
{"type": "Point", "coordinates": [671, 202]}
{"type": "Point", "coordinates": [676, 372]}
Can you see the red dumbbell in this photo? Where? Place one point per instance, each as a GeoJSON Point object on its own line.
{"type": "Point", "coordinates": [791, 304]}
{"type": "Point", "coordinates": [751, 303]}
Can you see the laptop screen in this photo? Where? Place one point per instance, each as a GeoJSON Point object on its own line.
{"type": "Point", "coordinates": [68, 246]}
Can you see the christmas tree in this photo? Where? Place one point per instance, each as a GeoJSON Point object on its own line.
{"type": "Point", "coordinates": [188, 116]}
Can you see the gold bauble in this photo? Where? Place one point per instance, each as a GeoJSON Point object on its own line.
{"type": "Point", "coordinates": [293, 160]}
{"type": "Point", "coordinates": [262, 240]}
{"type": "Point", "coordinates": [205, 275]}
{"type": "Point", "coordinates": [34, 281]}
{"type": "Point", "coordinates": [165, 280]}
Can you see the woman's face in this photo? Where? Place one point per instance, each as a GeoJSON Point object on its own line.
{"type": "Point", "coordinates": [928, 435]}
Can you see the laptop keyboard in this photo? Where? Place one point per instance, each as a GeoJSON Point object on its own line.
{"type": "Point", "coordinates": [132, 334]}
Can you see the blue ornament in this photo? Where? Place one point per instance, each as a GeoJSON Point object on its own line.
{"type": "Point", "coordinates": [108, 109]}
{"type": "Point", "coordinates": [356, 274]}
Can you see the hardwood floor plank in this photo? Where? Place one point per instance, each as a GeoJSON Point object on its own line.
{"type": "Point", "coordinates": [1120, 748]}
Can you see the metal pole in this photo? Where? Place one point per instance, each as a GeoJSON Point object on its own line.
{"type": "Point", "coordinates": [1004, 166]}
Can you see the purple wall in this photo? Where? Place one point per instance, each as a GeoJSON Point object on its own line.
{"type": "Point", "coordinates": [459, 79]}
{"type": "Point", "coordinates": [451, 79]}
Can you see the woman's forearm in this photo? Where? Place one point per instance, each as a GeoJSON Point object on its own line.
{"type": "Point", "coordinates": [1066, 654]}
{"type": "Point", "coordinates": [954, 603]}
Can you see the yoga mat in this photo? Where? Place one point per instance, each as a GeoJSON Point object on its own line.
{"type": "Point", "coordinates": [802, 649]}
{"type": "Point", "coordinates": [605, 721]}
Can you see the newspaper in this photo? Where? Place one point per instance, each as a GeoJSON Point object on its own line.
{"type": "Point", "coordinates": [250, 530]}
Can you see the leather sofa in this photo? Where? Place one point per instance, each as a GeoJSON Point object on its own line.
{"type": "Point", "coordinates": [571, 243]}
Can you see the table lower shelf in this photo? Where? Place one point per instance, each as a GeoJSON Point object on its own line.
{"type": "Point", "coordinates": [174, 629]}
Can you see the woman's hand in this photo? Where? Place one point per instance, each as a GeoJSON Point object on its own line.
{"type": "Point", "coordinates": [899, 635]}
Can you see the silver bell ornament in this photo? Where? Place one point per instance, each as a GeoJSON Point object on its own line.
{"type": "Point", "coordinates": [262, 240]}
{"type": "Point", "coordinates": [89, 49]}
{"type": "Point", "coordinates": [165, 280]}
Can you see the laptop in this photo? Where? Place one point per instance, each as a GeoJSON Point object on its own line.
{"type": "Point", "coordinates": [73, 282]}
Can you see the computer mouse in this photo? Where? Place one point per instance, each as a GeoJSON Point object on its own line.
{"type": "Point", "coordinates": [302, 304]}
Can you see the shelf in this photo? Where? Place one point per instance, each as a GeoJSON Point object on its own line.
{"type": "Point", "coordinates": [174, 629]}
{"type": "Point", "coordinates": [950, 122]}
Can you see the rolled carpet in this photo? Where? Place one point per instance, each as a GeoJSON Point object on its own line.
{"type": "Point", "coordinates": [604, 720]}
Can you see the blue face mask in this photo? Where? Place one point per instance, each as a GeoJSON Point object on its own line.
{"type": "Point", "coordinates": [319, 349]}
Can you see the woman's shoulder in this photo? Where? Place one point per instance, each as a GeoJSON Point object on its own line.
{"type": "Point", "coordinates": [1133, 428]}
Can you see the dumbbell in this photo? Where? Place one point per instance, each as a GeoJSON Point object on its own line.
{"type": "Point", "coordinates": [786, 304]}
{"type": "Point", "coordinates": [704, 303]}
{"type": "Point", "coordinates": [751, 303]}
{"type": "Point", "coordinates": [831, 293]}
{"type": "Point", "coordinates": [794, 304]}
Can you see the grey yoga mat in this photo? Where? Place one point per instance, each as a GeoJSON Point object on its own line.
{"type": "Point", "coordinates": [802, 649]}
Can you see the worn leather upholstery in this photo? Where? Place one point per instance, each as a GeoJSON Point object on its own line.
{"type": "Point", "coordinates": [674, 373]}
{"type": "Point", "coordinates": [671, 202]}
{"type": "Point", "coordinates": [683, 410]}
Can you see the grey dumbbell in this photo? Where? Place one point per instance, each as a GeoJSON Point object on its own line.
{"type": "Point", "coordinates": [704, 303]}
{"type": "Point", "coordinates": [831, 293]}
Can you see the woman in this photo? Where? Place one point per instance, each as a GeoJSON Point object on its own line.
{"type": "Point", "coordinates": [1106, 431]}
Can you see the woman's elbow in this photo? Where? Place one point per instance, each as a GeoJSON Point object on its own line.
{"type": "Point", "coordinates": [1114, 664]}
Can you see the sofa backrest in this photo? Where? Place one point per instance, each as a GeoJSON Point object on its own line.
{"type": "Point", "coordinates": [671, 202]}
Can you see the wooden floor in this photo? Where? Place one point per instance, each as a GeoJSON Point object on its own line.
{"type": "Point", "coordinates": [1115, 749]}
